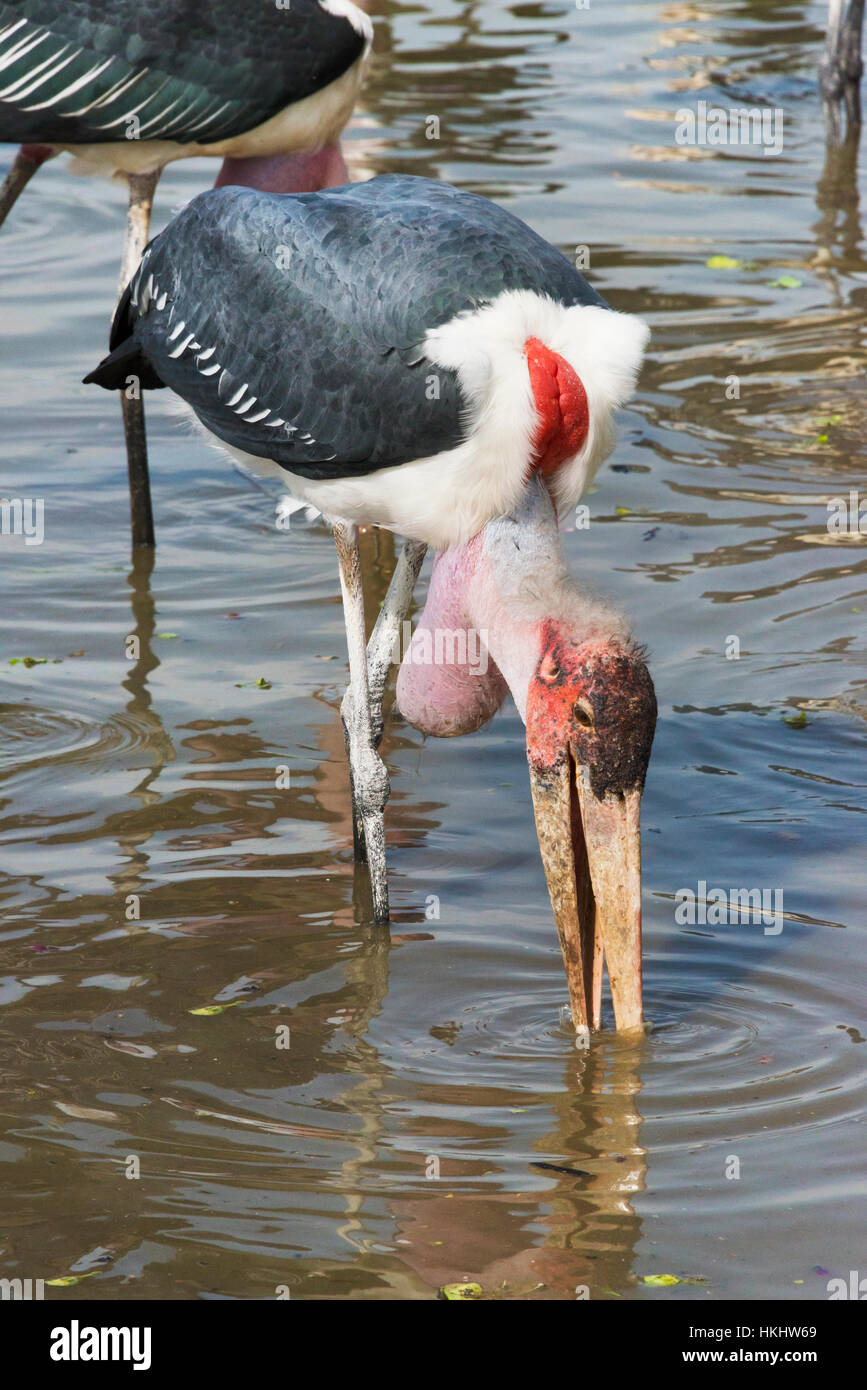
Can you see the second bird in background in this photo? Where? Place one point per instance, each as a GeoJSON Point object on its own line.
{"type": "Point", "coordinates": [128, 89]}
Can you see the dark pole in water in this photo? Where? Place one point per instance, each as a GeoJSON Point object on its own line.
{"type": "Point", "coordinates": [841, 68]}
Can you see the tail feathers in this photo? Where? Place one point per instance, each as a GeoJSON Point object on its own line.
{"type": "Point", "coordinates": [126, 361]}
{"type": "Point", "coordinates": [125, 358]}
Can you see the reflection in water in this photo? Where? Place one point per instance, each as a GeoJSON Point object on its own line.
{"type": "Point", "coordinates": [132, 878]}
{"type": "Point", "coordinates": [455, 95]}
{"type": "Point", "coordinates": [572, 1235]}
{"type": "Point", "coordinates": [838, 201]}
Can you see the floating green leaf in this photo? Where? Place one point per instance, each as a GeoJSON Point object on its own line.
{"type": "Point", "coordinates": [66, 1280]}
{"type": "Point", "coordinates": [664, 1281]}
{"type": "Point", "coordinates": [209, 1009]}
{"type": "Point", "coordinates": [28, 661]}
{"type": "Point", "coordinates": [459, 1292]}
{"type": "Point", "coordinates": [722, 263]}
{"type": "Point", "coordinates": [797, 721]}
{"type": "Point", "coordinates": [623, 511]}
{"type": "Point", "coordinates": [785, 282]}
{"type": "Point", "coordinates": [824, 425]}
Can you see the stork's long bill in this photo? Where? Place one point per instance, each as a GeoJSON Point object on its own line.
{"type": "Point", "coordinates": [583, 689]}
{"type": "Point", "coordinates": [591, 714]}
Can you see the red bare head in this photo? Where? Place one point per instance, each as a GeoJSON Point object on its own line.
{"type": "Point", "coordinates": [595, 701]}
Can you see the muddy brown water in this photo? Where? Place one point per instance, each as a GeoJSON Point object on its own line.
{"type": "Point", "coordinates": [725, 1148]}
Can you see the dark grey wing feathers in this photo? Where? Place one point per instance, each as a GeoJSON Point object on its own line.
{"type": "Point", "coordinates": [293, 325]}
{"type": "Point", "coordinates": [78, 71]}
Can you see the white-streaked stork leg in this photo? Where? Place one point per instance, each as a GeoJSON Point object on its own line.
{"type": "Point", "coordinates": [141, 197]}
{"type": "Point", "coordinates": [380, 655]}
{"type": "Point", "coordinates": [367, 774]}
{"type": "Point", "coordinates": [382, 645]}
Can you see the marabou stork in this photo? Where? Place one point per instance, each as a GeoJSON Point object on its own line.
{"type": "Point", "coordinates": [408, 355]}
{"type": "Point", "coordinates": [128, 88]}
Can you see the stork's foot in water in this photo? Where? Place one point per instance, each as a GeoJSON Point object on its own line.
{"type": "Point", "coordinates": [368, 777]}
{"type": "Point", "coordinates": [368, 780]}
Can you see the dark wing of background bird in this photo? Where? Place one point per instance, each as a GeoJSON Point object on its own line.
{"type": "Point", "coordinates": [293, 325]}
{"type": "Point", "coordinates": [75, 71]}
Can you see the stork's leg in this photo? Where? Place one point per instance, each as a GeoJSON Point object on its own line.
{"type": "Point", "coordinates": [380, 655]}
{"type": "Point", "coordinates": [141, 197]}
{"type": "Point", "coordinates": [382, 644]}
{"type": "Point", "coordinates": [24, 166]}
{"type": "Point", "coordinates": [368, 777]}
{"type": "Point", "coordinates": [841, 67]}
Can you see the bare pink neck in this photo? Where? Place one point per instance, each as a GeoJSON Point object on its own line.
{"type": "Point", "coordinates": [485, 592]}
{"type": "Point", "coordinates": [504, 593]}
{"type": "Point", "coordinates": [304, 172]}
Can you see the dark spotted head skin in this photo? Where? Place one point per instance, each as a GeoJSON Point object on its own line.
{"type": "Point", "coordinates": [593, 700]}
